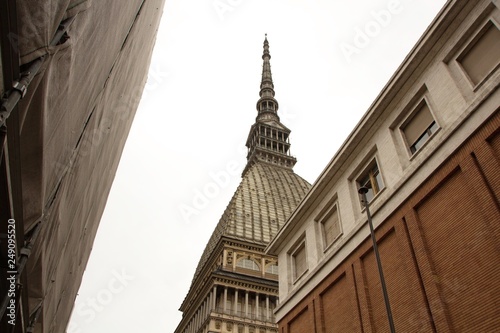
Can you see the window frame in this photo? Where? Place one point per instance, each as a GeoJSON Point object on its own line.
{"type": "Point", "coordinates": [430, 134]}
{"type": "Point", "coordinates": [489, 12]}
{"type": "Point", "coordinates": [367, 174]}
{"type": "Point", "coordinates": [295, 276]}
{"type": "Point", "coordinates": [246, 259]}
{"type": "Point", "coordinates": [332, 207]}
{"type": "Point", "coordinates": [268, 270]}
{"type": "Point", "coordinates": [469, 45]}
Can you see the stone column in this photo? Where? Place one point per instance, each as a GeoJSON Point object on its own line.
{"type": "Point", "coordinates": [224, 307]}
{"type": "Point", "coordinates": [197, 320]}
{"type": "Point", "coordinates": [214, 298]}
{"type": "Point", "coordinates": [203, 313]}
{"type": "Point", "coordinates": [246, 303]}
{"type": "Point", "coordinates": [267, 307]}
{"type": "Point", "coordinates": [257, 312]}
{"type": "Point", "coordinates": [235, 307]}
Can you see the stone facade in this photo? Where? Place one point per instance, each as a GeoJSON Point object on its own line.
{"type": "Point", "coordinates": [429, 150]}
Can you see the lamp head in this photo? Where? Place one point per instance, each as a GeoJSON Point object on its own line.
{"type": "Point", "coordinates": [363, 190]}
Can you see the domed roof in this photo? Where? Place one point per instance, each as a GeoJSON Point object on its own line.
{"type": "Point", "coordinates": [265, 198]}
{"type": "Point", "coordinates": [269, 190]}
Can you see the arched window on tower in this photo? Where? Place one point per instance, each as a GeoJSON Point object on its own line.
{"type": "Point", "coordinates": [248, 264]}
{"type": "Point", "coordinates": [272, 269]}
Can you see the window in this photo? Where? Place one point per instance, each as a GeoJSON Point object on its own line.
{"type": "Point", "coordinates": [371, 179]}
{"type": "Point", "coordinates": [419, 128]}
{"type": "Point", "coordinates": [272, 269]}
{"type": "Point", "coordinates": [482, 56]}
{"type": "Point", "coordinates": [330, 227]}
{"type": "Point", "coordinates": [328, 224]}
{"type": "Point", "coordinates": [299, 261]}
{"type": "Point", "coordinates": [248, 264]}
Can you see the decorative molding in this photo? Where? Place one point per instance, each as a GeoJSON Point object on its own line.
{"type": "Point", "coordinates": [247, 286]}
{"type": "Point", "coordinates": [241, 246]}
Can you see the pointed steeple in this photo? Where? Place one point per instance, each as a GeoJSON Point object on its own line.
{"type": "Point", "coordinates": [267, 195]}
{"type": "Point", "coordinates": [267, 105]}
{"type": "Point", "coordinates": [268, 140]}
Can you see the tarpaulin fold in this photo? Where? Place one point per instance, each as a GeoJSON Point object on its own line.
{"type": "Point", "coordinates": [75, 119]}
{"type": "Point", "coordinates": [39, 21]}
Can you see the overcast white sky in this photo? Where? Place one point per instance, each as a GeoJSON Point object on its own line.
{"type": "Point", "coordinates": [329, 60]}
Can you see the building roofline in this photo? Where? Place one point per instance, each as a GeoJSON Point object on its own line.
{"type": "Point", "coordinates": [404, 72]}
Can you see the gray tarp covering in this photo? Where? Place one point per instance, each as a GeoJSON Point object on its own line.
{"type": "Point", "coordinates": [75, 120]}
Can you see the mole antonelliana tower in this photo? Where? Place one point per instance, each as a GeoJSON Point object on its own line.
{"type": "Point", "coordinates": [235, 285]}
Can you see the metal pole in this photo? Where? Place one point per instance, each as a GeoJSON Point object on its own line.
{"type": "Point", "coordinates": [363, 190]}
{"type": "Point", "coordinates": [20, 87]}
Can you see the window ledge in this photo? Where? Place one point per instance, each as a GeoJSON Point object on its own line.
{"type": "Point", "coordinates": [363, 207]}
{"type": "Point", "coordinates": [300, 276]}
{"type": "Point", "coordinates": [329, 246]}
{"type": "Point", "coordinates": [426, 143]}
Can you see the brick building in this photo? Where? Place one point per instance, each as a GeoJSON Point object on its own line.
{"type": "Point", "coordinates": [428, 149]}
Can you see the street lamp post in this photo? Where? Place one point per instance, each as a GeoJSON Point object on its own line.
{"type": "Point", "coordinates": [363, 190]}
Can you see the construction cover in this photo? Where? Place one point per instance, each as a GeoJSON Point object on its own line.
{"type": "Point", "coordinates": [74, 121]}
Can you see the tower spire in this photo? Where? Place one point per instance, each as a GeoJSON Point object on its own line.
{"type": "Point", "coordinates": [268, 140]}
{"type": "Point", "coordinates": [267, 105]}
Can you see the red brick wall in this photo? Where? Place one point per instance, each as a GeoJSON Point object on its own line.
{"type": "Point", "coordinates": [440, 253]}
{"type": "Point", "coordinates": [304, 318]}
